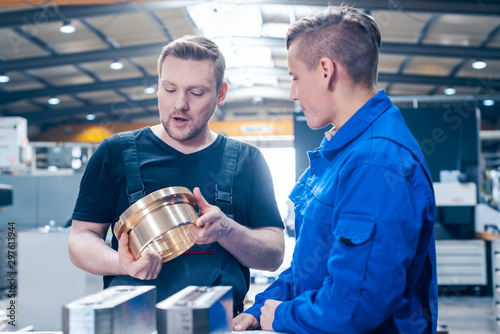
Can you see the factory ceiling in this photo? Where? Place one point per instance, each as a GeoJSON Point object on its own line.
{"type": "Point", "coordinates": [428, 55]}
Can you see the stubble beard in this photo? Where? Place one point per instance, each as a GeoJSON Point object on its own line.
{"type": "Point", "coordinates": [182, 135]}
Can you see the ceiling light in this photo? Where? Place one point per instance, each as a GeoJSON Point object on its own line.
{"type": "Point", "coordinates": [478, 65]}
{"type": "Point", "coordinates": [149, 90]}
{"type": "Point", "coordinates": [488, 103]}
{"type": "Point", "coordinates": [4, 78]}
{"type": "Point", "coordinates": [116, 65]}
{"type": "Point", "coordinates": [218, 19]}
{"type": "Point", "coordinates": [274, 29]}
{"type": "Point", "coordinates": [241, 56]}
{"type": "Point", "coordinates": [67, 28]}
{"type": "Point", "coordinates": [54, 101]}
{"type": "Point", "coordinates": [90, 117]}
{"type": "Point", "coordinates": [450, 91]}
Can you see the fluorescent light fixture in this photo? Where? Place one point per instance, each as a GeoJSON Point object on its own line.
{"type": "Point", "coordinates": [54, 101]}
{"type": "Point", "coordinates": [219, 19]}
{"type": "Point", "coordinates": [450, 91]}
{"type": "Point", "coordinates": [241, 56]}
{"type": "Point", "coordinates": [488, 103]}
{"type": "Point", "coordinates": [149, 90]}
{"type": "Point", "coordinates": [116, 65]}
{"type": "Point", "coordinates": [67, 28]}
{"type": "Point", "coordinates": [242, 80]}
{"type": "Point", "coordinates": [478, 65]}
{"type": "Point", "coordinates": [4, 78]}
{"type": "Point", "coordinates": [274, 30]}
{"type": "Point", "coordinates": [251, 79]}
{"type": "Point", "coordinates": [90, 117]}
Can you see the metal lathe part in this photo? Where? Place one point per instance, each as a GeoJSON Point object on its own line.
{"type": "Point", "coordinates": [159, 221]}
{"type": "Point", "coordinates": [196, 310]}
{"type": "Point", "coordinates": [115, 310]}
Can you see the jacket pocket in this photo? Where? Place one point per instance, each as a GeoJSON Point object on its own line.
{"type": "Point", "coordinates": [353, 239]}
{"type": "Point", "coordinates": [354, 230]}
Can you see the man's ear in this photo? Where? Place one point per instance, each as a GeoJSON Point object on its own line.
{"type": "Point", "coordinates": [221, 98]}
{"type": "Point", "coordinates": [327, 67]}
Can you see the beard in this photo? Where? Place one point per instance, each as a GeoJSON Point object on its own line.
{"type": "Point", "coordinates": [184, 134]}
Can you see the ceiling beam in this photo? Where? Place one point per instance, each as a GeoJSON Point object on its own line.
{"type": "Point", "coordinates": [155, 49]}
{"type": "Point", "coordinates": [443, 99]}
{"type": "Point", "coordinates": [8, 97]}
{"type": "Point", "coordinates": [82, 57]}
{"type": "Point", "coordinates": [427, 50]}
{"type": "Point", "coordinates": [53, 12]}
{"type": "Point", "coordinates": [80, 88]}
{"type": "Point", "coordinates": [48, 115]}
{"type": "Point", "coordinates": [414, 79]}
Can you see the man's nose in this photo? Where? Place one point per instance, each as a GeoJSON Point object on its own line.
{"type": "Point", "coordinates": [181, 102]}
{"type": "Point", "coordinates": [293, 92]}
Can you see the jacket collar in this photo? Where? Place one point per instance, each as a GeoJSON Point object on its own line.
{"type": "Point", "coordinates": [356, 125]}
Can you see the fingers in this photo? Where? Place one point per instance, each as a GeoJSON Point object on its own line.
{"type": "Point", "coordinates": [244, 321]}
{"type": "Point", "coordinates": [123, 249]}
{"type": "Point", "coordinates": [267, 314]}
{"type": "Point", "coordinates": [208, 213]}
{"type": "Point", "coordinates": [200, 234]}
{"type": "Point", "coordinates": [200, 200]}
{"type": "Point", "coordinates": [123, 239]}
{"type": "Point", "coordinates": [147, 267]}
{"type": "Point", "coordinates": [152, 263]}
{"type": "Point", "coordinates": [203, 205]}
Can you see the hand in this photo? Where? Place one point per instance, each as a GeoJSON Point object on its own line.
{"type": "Point", "coordinates": [147, 267]}
{"type": "Point", "coordinates": [212, 224]}
{"type": "Point", "coordinates": [267, 314]}
{"type": "Point", "coordinates": [244, 321]}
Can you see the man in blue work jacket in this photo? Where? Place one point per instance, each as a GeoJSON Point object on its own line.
{"type": "Point", "coordinates": [364, 259]}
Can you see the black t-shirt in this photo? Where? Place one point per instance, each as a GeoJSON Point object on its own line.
{"type": "Point", "coordinates": [103, 198]}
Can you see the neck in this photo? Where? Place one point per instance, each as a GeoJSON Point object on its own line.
{"type": "Point", "coordinates": [348, 100]}
{"type": "Point", "coordinates": [205, 139]}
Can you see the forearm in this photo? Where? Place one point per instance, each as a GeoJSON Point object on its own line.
{"type": "Point", "coordinates": [88, 252]}
{"type": "Point", "coordinates": [261, 248]}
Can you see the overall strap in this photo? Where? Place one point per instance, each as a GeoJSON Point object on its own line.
{"type": "Point", "coordinates": [135, 187]}
{"type": "Point", "coordinates": [224, 182]}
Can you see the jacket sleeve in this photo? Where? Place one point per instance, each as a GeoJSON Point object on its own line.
{"type": "Point", "coordinates": [376, 230]}
{"type": "Point", "coordinates": [279, 290]}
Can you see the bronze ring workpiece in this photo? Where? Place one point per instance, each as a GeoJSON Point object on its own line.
{"type": "Point", "coordinates": [159, 221]}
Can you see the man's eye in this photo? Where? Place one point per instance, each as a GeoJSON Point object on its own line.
{"type": "Point", "coordinates": [197, 94]}
{"type": "Point", "coordinates": [169, 90]}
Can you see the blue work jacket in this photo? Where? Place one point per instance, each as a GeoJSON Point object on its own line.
{"type": "Point", "coordinates": [364, 259]}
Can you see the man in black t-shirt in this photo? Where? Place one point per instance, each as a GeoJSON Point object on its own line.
{"type": "Point", "coordinates": [182, 151]}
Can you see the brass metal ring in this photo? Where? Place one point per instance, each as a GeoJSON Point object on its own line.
{"type": "Point", "coordinates": [159, 221]}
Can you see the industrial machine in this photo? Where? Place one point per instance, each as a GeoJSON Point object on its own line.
{"type": "Point", "coordinates": [196, 310]}
{"type": "Point", "coordinates": [117, 309]}
{"type": "Point", "coordinates": [133, 309]}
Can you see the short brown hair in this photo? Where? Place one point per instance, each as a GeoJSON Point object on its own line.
{"type": "Point", "coordinates": [343, 34]}
{"type": "Point", "coordinates": [197, 48]}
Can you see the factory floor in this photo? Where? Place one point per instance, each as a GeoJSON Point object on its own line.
{"type": "Point", "coordinates": [458, 313]}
